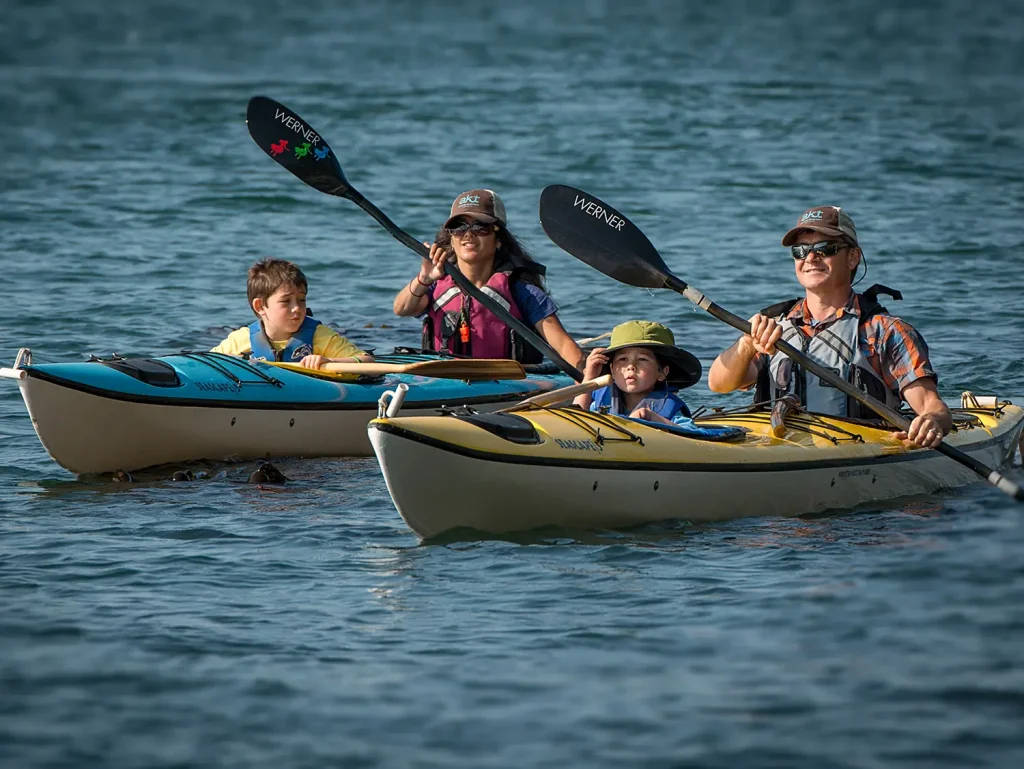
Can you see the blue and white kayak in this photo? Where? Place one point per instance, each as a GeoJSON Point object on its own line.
{"type": "Point", "coordinates": [115, 414]}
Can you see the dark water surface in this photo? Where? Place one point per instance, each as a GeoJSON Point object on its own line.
{"type": "Point", "coordinates": [220, 624]}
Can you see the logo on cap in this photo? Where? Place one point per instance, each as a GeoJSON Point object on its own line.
{"type": "Point", "coordinates": [815, 215]}
{"type": "Point", "coordinates": [469, 200]}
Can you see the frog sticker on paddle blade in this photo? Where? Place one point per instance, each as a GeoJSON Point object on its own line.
{"type": "Point", "coordinates": [276, 148]}
{"type": "Point", "coordinates": [302, 150]}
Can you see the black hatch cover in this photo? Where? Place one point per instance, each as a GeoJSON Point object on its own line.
{"type": "Point", "coordinates": [152, 372]}
{"type": "Point", "coordinates": [508, 426]}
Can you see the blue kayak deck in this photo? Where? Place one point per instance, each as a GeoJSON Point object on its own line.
{"type": "Point", "coordinates": [206, 379]}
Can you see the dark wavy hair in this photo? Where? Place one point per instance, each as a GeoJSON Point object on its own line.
{"type": "Point", "coordinates": [511, 250]}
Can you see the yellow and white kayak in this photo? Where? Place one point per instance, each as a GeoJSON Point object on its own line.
{"type": "Point", "coordinates": [569, 468]}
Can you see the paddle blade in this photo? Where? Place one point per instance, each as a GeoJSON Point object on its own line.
{"type": "Point", "coordinates": [597, 234]}
{"type": "Point", "coordinates": [292, 143]}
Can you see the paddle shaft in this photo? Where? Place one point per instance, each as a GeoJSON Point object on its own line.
{"type": "Point", "coordinates": [461, 281]}
{"type": "Point", "coordinates": [992, 476]}
{"type": "Point", "coordinates": [560, 395]}
{"type": "Point", "coordinates": [456, 368]}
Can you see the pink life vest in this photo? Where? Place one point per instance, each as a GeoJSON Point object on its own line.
{"type": "Point", "coordinates": [488, 336]}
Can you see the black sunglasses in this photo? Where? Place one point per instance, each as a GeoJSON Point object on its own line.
{"type": "Point", "coordinates": [477, 228]}
{"type": "Point", "coordinates": [824, 248]}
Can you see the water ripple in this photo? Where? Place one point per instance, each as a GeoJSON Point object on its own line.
{"type": "Point", "coordinates": [216, 623]}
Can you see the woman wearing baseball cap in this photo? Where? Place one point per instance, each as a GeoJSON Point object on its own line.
{"type": "Point", "coordinates": [475, 237]}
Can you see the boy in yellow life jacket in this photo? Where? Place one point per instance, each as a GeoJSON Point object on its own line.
{"type": "Point", "coordinates": [283, 331]}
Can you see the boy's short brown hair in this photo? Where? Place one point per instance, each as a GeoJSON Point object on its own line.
{"type": "Point", "coordinates": [268, 275]}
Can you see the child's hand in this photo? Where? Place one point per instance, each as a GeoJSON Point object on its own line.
{"type": "Point", "coordinates": [645, 413]}
{"type": "Point", "coordinates": [313, 361]}
{"type": "Point", "coordinates": [596, 362]}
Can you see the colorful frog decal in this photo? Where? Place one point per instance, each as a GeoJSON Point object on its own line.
{"type": "Point", "coordinates": [302, 150]}
{"type": "Point", "coordinates": [278, 147]}
{"type": "Point", "coordinates": [321, 152]}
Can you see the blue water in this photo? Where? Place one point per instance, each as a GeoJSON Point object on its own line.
{"type": "Point", "coordinates": [219, 624]}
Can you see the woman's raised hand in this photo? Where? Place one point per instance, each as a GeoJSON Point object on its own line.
{"type": "Point", "coordinates": [432, 269]}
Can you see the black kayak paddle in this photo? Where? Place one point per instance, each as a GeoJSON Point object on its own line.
{"type": "Point", "coordinates": [597, 234]}
{"type": "Point", "coordinates": [293, 144]}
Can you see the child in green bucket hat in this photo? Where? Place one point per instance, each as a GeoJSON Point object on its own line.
{"type": "Point", "coordinates": [647, 369]}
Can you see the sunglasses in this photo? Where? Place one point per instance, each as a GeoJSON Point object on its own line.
{"type": "Point", "coordinates": [824, 248]}
{"type": "Point", "coordinates": [477, 228]}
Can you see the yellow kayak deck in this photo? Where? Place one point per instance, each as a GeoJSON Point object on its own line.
{"type": "Point", "coordinates": [574, 436]}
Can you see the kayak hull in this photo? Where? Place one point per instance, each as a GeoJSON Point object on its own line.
{"type": "Point", "coordinates": [91, 421]}
{"type": "Point", "coordinates": [442, 480]}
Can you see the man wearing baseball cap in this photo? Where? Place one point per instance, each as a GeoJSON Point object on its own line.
{"type": "Point", "coordinates": [849, 333]}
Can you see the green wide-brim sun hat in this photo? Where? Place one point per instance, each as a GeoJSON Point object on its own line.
{"type": "Point", "coordinates": [684, 370]}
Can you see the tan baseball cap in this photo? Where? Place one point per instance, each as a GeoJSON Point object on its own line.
{"type": "Point", "coordinates": [828, 220]}
{"type": "Point", "coordinates": [482, 205]}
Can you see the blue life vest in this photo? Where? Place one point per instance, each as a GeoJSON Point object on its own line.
{"type": "Point", "coordinates": [298, 347]}
{"type": "Point", "coordinates": [664, 403]}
